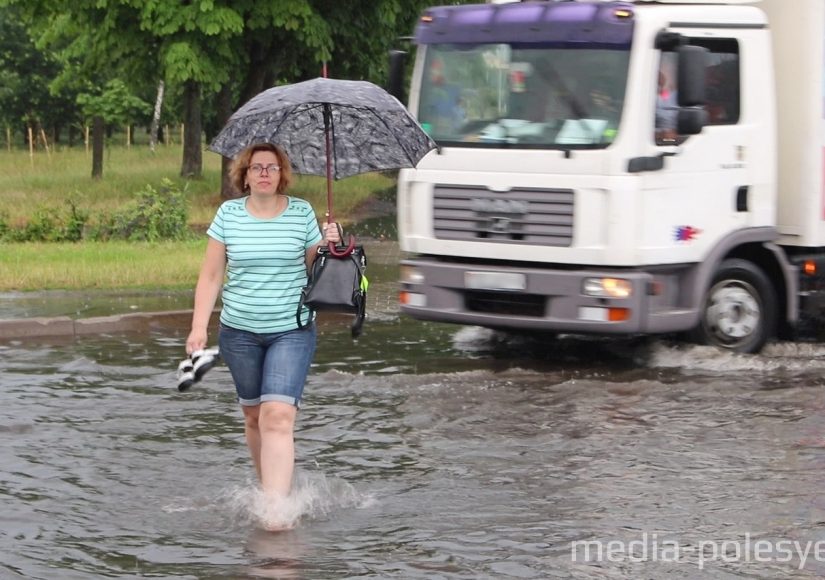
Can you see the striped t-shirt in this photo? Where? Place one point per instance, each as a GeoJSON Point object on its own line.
{"type": "Point", "coordinates": [266, 264]}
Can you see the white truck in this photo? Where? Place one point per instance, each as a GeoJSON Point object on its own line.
{"type": "Point", "coordinates": [633, 167]}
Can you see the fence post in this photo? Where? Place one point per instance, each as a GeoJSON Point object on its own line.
{"type": "Point", "coordinates": [31, 144]}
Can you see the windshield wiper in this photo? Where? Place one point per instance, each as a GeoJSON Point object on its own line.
{"type": "Point", "coordinates": [571, 99]}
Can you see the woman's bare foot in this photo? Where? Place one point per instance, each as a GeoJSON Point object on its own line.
{"type": "Point", "coordinates": [276, 526]}
{"type": "Point", "coordinates": [278, 513]}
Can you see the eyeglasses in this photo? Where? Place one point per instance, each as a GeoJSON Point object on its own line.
{"type": "Point", "coordinates": [259, 169]}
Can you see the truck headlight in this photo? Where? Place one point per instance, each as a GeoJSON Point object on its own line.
{"type": "Point", "coordinates": [607, 287]}
{"type": "Point", "coordinates": [411, 275]}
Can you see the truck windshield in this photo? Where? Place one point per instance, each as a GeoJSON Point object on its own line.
{"type": "Point", "coordinates": [508, 95]}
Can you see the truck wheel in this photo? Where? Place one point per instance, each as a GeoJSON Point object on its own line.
{"type": "Point", "coordinates": [739, 310]}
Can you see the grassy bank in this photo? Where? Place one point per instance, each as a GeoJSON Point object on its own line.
{"type": "Point", "coordinates": [100, 265]}
{"type": "Point", "coordinates": [28, 184]}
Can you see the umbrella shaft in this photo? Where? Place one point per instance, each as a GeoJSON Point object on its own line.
{"type": "Point", "coordinates": [327, 139]}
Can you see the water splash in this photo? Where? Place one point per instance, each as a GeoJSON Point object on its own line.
{"type": "Point", "coordinates": [789, 357]}
{"type": "Point", "coordinates": [473, 338]}
{"type": "Point", "coordinates": [314, 496]}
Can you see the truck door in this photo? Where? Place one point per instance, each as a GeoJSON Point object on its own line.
{"type": "Point", "coordinates": [701, 192]}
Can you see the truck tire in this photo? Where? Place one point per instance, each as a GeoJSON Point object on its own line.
{"type": "Point", "coordinates": [739, 310]}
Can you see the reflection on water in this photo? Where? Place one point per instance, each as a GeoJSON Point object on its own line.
{"type": "Point", "coordinates": [424, 451]}
{"type": "Point", "coordinates": [81, 304]}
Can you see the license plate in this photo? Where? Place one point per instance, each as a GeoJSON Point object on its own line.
{"type": "Point", "coordinates": [494, 281]}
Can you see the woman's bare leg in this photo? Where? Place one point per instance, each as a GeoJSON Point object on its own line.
{"type": "Point", "coordinates": [253, 435]}
{"type": "Point", "coordinates": [276, 425]}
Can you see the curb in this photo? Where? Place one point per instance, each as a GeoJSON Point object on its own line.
{"type": "Point", "coordinates": [66, 327]}
{"type": "Point", "coordinates": [63, 326]}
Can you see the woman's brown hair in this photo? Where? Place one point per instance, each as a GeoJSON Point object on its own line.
{"type": "Point", "coordinates": [240, 165]}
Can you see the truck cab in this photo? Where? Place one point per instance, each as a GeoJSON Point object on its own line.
{"type": "Point", "coordinates": [617, 168]}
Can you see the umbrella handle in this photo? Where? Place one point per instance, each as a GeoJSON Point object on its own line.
{"type": "Point", "coordinates": [342, 253]}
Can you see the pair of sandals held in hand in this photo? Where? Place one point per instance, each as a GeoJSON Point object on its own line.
{"type": "Point", "coordinates": [192, 369]}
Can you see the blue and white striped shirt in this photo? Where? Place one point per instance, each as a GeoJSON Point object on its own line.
{"type": "Point", "coordinates": [266, 264]}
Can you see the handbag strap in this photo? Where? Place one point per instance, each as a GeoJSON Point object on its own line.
{"type": "Point", "coordinates": [360, 295]}
{"type": "Point", "coordinates": [301, 325]}
{"type": "Point", "coordinates": [358, 323]}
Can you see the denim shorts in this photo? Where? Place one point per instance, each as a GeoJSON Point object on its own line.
{"type": "Point", "coordinates": [268, 367]}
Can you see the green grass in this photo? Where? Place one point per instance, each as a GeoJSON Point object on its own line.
{"type": "Point", "coordinates": [50, 180]}
{"type": "Point", "coordinates": [100, 265]}
{"type": "Point", "coordinates": [27, 183]}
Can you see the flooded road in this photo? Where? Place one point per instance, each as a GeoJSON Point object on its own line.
{"type": "Point", "coordinates": [424, 451]}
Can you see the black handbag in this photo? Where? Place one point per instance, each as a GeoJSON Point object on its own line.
{"type": "Point", "coordinates": [337, 284]}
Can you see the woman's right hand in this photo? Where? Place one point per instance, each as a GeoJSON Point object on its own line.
{"type": "Point", "coordinates": [197, 340]}
{"type": "Point", "coordinates": [331, 233]}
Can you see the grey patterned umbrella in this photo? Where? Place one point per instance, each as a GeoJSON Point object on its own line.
{"type": "Point", "coordinates": [329, 127]}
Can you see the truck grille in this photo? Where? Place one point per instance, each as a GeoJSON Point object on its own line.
{"type": "Point", "coordinates": [507, 303]}
{"type": "Point", "coordinates": [522, 215]}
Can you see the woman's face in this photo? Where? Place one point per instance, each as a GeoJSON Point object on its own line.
{"type": "Point", "coordinates": [264, 173]}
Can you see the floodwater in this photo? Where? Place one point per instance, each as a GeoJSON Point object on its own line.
{"type": "Point", "coordinates": [424, 451]}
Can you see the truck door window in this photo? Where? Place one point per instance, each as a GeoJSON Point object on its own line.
{"type": "Point", "coordinates": [723, 103]}
{"type": "Point", "coordinates": [722, 81]}
{"type": "Point", "coordinates": [667, 107]}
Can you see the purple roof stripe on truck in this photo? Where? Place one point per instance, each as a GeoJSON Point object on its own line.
{"type": "Point", "coordinates": [594, 23]}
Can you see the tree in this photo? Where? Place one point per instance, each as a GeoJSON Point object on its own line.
{"type": "Point", "coordinates": [195, 52]}
{"type": "Point", "coordinates": [289, 40]}
{"type": "Point", "coordinates": [187, 42]}
{"type": "Point", "coordinates": [155, 126]}
{"type": "Point", "coordinates": [25, 74]}
{"type": "Point", "coordinates": [218, 53]}
{"type": "Point", "coordinates": [114, 105]}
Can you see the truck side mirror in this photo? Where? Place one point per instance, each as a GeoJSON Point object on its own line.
{"type": "Point", "coordinates": [692, 62]}
{"type": "Point", "coordinates": [395, 81]}
{"type": "Point", "coordinates": [691, 120]}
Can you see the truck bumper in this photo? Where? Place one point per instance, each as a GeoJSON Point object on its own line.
{"type": "Point", "coordinates": [553, 299]}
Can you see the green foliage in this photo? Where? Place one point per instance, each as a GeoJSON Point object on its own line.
{"type": "Point", "coordinates": [358, 54]}
{"type": "Point", "coordinates": [43, 227]}
{"type": "Point", "coordinates": [115, 104]}
{"type": "Point", "coordinates": [244, 44]}
{"type": "Point", "coordinates": [154, 215]}
{"type": "Point", "coordinates": [48, 224]}
{"type": "Point", "coordinates": [231, 49]}
{"type": "Point", "coordinates": [25, 75]}
{"type": "Point", "coordinates": [75, 223]}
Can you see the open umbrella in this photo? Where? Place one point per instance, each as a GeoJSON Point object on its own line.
{"type": "Point", "coordinates": [329, 127]}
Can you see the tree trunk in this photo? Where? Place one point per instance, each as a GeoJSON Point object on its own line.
{"type": "Point", "coordinates": [98, 135]}
{"type": "Point", "coordinates": [224, 110]}
{"type": "Point", "coordinates": [153, 130]}
{"type": "Point", "coordinates": [258, 75]}
{"type": "Point", "coordinates": [192, 155]}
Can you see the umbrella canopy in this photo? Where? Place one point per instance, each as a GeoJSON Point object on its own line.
{"type": "Point", "coordinates": [329, 127]}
